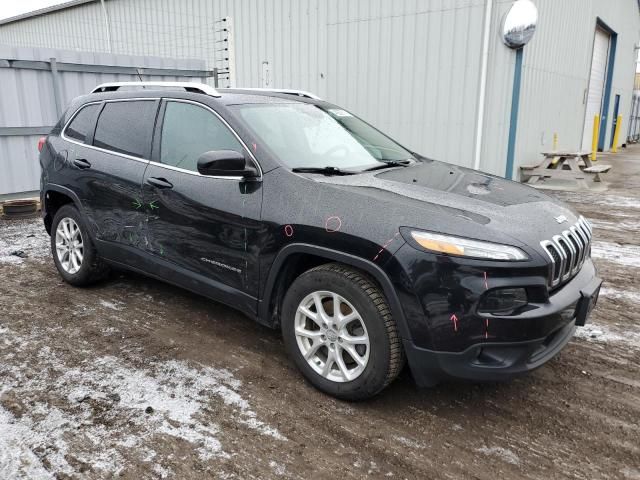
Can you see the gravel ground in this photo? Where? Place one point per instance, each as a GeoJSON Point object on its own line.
{"type": "Point", "coordinates": [137, 379]}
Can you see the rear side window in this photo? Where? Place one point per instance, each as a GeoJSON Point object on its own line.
{"type": "Point", "coordinates": [82, 124]}
{"type": "Point", "coordinates": [126, 127]}
{"type": "Point", "coordinates": [188, 131]}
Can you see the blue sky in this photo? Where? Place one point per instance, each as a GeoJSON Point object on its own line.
{"type": "Point", "coordinates": [11, 8]}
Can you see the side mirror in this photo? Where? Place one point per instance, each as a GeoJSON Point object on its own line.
{"type": "Point", "coordinates": [225, 163]}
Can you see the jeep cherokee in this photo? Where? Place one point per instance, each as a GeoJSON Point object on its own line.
{"type": "Point", "coordinates": [302, 216]}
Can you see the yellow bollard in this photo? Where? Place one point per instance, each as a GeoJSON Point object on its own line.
{"type": "Point", "coordinates": [596, 135]}
{"type": "Point", "coordinates": [616, 135]}
{"type": "Point", "coordinates": [555, 141]}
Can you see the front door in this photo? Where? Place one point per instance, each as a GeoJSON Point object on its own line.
{"type": "Point", "coordinates": [205, 226]}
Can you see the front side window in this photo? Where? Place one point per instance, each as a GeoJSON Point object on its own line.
{"type": "Point", "coordinates": [304, 135]}
{"type": "Point", "coordinates": [82, 124]}
{"type": "Point", "coordinates": [188, 131]}
{"type": "Point", "coordinates": [126, 127]}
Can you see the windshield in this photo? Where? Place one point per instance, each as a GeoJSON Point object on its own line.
{"type": "Point", "coordinates": [306, 136]}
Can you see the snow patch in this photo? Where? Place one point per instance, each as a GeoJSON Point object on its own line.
{"type": "Point", "coordinates": [628, 225]}
{"type": "Point", "coordinates": [605, 334]}
{"type": "Point", "coordinates": [614, 293]}
{"type": "Point", "coordinates": [26, 236]}
{"type": "Point", "coordinates": [614, 201]}
{"type": "Point", "coordinates": [407, 442]}
{"type": "Point", "coordinates": [627, 255]}
{"type": "Point", "coordinates": [277, 468]}
{"type": "Point", "coordinates": [16, 458]}
{"type": "Point", "coordinates": [104, 408]}
{"type": "Point", "coordinates": [112, 305]}
{"type": "Point", "coordinates": [502, 453]}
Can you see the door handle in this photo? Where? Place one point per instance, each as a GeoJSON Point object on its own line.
{"type": "Point", "coordinates": [82, 163]}
{"type": "Point", "coordinates": [159, 182]}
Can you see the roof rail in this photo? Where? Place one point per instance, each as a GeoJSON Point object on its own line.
{"type": "Point", "coordinates": [288, 91]}
{"type": "Point", "coordinates": [188, 86]}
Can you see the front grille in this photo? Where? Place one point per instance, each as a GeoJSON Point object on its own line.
{"type": "Point", "coordinates": [568, 251]}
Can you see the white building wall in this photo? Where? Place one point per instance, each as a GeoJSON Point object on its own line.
{"type": "Point", "coordinates": [556, 70]}
{"type": "Point", "coordinates": [410, 67]}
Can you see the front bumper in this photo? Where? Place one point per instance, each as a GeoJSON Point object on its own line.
{"type": "Point", "coordinates": [485, 347]}
{"type": "Point", "coordinates": [485, 362]}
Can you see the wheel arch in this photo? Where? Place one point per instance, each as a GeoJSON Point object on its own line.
{"type": "Point", "coordinates": [280, 272]}
{"type": "Point", "coordinates": [54, 197]}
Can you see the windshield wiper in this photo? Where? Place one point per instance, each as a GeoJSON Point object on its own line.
{"type": "Point", "coordinates": [324, 170]}
{"type": "Point", "coordinates": [389, 164]}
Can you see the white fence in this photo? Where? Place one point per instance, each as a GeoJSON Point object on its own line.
{"type": "Point", "coordinates": [37, 84]}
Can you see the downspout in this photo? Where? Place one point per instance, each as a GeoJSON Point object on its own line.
{"type": "Point", "coordinates": [107, 25]}
{"type": "Point", "coordinates": [482, 95]}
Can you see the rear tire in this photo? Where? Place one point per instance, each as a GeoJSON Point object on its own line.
{"type": "Point", "coordinates": [73, 251]}
{"type": "Point", "coordinates": [351, 354]}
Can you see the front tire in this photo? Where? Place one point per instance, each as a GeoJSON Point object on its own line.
{"type": "Point", "coordinates": [338, 329]}
{"type": "Point", "coordinates": [73, 251]}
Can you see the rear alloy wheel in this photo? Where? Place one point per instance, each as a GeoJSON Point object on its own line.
{"type": "Point", "coordinates": [69, 245]}
{"type": "Point", "coordinates": [73, 251]}
{"type": "Point", "coordinates": [338, 329]}
{"type": "Point", "coordinates": [331, 336]}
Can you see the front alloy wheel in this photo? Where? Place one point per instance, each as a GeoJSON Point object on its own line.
{"type": "Point", "coordinates": [338, 329]}
{"type": "Point", "coordinates": [69, 245]}
{"type": "Point", "coordinates": [331, 336]}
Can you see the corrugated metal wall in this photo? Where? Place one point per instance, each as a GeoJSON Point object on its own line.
{"type": "Point", "coordinates": [27, 100]}
{"type": "Point", "coordinates": [410, 67]}
{"type": "Point", "coordinates": [556, 70]}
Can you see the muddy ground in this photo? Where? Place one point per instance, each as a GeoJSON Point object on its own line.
{"type": "Point", "coordinates": [137, 379]}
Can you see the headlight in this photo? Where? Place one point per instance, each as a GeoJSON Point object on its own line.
{"type": "Point", "coordinates": [466, 247]}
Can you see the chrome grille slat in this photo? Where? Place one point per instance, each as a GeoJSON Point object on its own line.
{"type": "Point", "coordinates": [566, 256]}
{"type": "Point", "coordinates": [573, 253]}
{"type": "Point", "coordinates": [581, 243]}
{"type": "Point", "coordinates": [585, 240]}
{"type": "Point", "coordinates": [568, 251]}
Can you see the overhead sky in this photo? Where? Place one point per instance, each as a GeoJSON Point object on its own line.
{"type": "Point", "coordinates": [11, 8]}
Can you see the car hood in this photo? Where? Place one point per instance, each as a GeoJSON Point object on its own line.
{"type": "Point", "coordinates": [441, 197]}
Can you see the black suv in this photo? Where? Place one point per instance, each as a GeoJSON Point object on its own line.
{"type": "Point", "coordinates": [306, 218]}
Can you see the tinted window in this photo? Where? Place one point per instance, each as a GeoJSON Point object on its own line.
{"type": "Point", "coordinates": [82, 123]}
{"type": "Point", "coordinates": [126, 127]}
{"type": "Point", "coordinates": [188, 131]}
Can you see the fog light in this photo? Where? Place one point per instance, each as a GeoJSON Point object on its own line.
{"type": "Point", "coordinates": [503, 301]}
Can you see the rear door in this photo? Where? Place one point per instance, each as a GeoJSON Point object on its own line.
{"type": "Point", "coordinates": [205, 226]}
{"type": "Point", "coordinates": [110, 166]}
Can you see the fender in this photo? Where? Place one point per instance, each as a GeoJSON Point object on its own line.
{"type": "Point", "coordinates": [365, 265]}
{"type": "Point", "coordinates": [59, 188]}
{"type": "Point", "coordinates": [53, 187]}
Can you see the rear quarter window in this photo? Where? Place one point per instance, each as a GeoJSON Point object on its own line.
{"type": "Point", "coordinates": [82, 124]}
{"type": "Point", "coordinates": [126, 127]}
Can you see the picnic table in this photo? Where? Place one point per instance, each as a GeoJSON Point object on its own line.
{"type": "Point", "coordinates": [564, 165]}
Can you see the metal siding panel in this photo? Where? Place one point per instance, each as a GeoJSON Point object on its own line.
{"type": "Point", "coordinates": [555, 77]}
{"type": "Point", "coordinates": [27, 100]}
{"type": "Point", "coordinates": [409, 67]}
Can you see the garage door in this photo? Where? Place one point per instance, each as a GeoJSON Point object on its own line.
{"type": "Point", "coordinates": [596, 85]}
